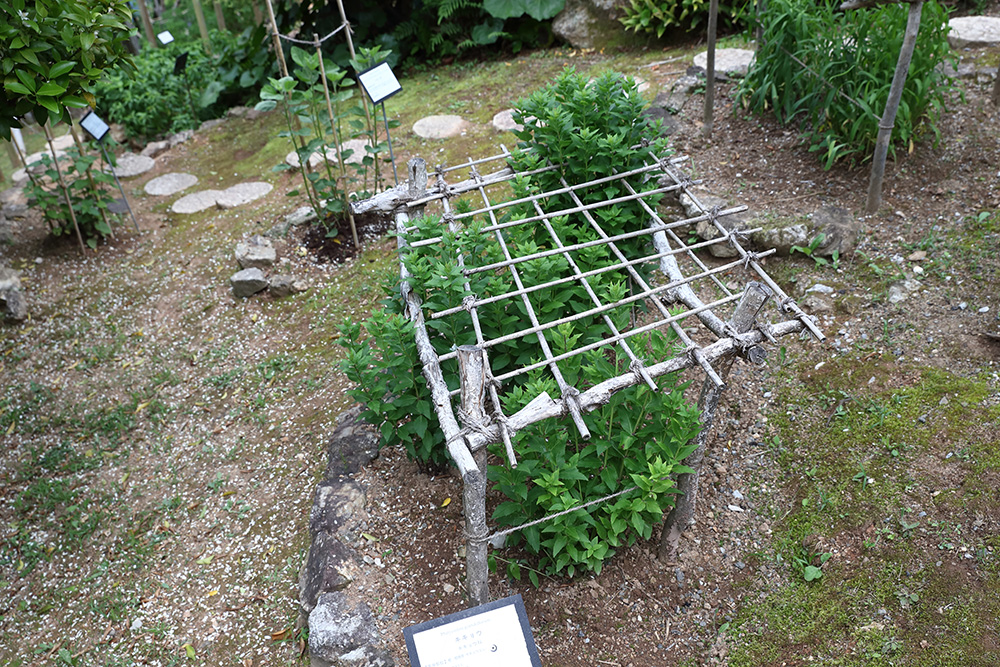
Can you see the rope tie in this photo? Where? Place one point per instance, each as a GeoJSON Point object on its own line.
{"type": "Point", "coordinates": [636, 367]}
{"type": "Point", "coordinates": [472, 425]}
{"type": "Point", "coordinates": [786, 304]}
{"type": "Point", "coordinates": [469, 302]}
{"type": "Point", "coordinates": [750, 257]}
{"type": "Point", "coordinates": [307, 42]}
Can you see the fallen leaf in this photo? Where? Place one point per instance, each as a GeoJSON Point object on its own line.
{"type": "Point", "coordinates": [189, 649]}
{"type": "Point", "coordinates": [10, 429]}
{"type": "Point", "coordinates": [211, 593]}
{"type": "Point", "coordinates": [369, 537]}
{"type": "Point", "coordinates": [204, 560]}
{"type": "Point", "coordinates": [142, 406]}
{"type": "Point", "coordinates": [282, 635]}
{"type": "Point", "coordinates": [447, 501]}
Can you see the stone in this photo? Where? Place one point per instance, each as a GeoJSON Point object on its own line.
{"type": "Point", "coordinates": [357, 148]}
{"type": "Point", "coordinates": [34, 161]}
{"type": "Point", "coordinates": [154, 148]}
{"type": "Point", "coordinates": [196, 202]}
{"type": "Point", "coordinates": [180, 137]}
{"type": "Point", "coordinates": [237, 112]}
{"type": "Point", "coordinates": [352, 446]}
{"type": "Point", "coordinates": [255, 252]}
{"type": "Point", "coordinates": [330, 566]}
{"type": "Point", "coordinates": [968, 32]}
{"type": "Point", "coordinates": [781, 235]}
{"type": "Point", "coordinates": [19, 176]}
{"type": "Point", "coordinates": [117, 133]}
{"type": "Point", "coordinates": [591, 24]}
{"type": "Point", "coordinates": [440, 127]}
{"type": "Point", "coordinates": [292, 160]}
{"type": "Point", "coordinates": [840, 230]}
{"type": "Point", "coordinates": [64, 142]}
{"type": "Point", "coordinates": [15, 210]}
{"type": "Point", "coordinates": [301, 216]}
{"type": "Point", "coordinates": [815, 304]}
{"type": "Point", "coordinates": [243, 193]}
{"type": "Point", "coordinates": [248, 282]}
{"type": "Point", "coordinates": [12, 301]}
{"type": "Point", "coordinates": [728, 62]}
{"type": "Point", "coordinates": [118, 206]}
{"type": "Point", "coordinates": [209, 124]}
{"type": "Point", "coordinates": [169, 184]}
{"type": "Point", "coordinates": [680, 92]}
{"type": "Point", "coordinates": [335, 505]}
{"type": "Point", "coordinates": [338, 628]}
{"type": "Point", "coordinates": [900, 290]}
{"type": "Point", "coordinates": [131, 165]}
{"type": "Point", "coordinates": [284, 285]}
{"type": "Point", "coordinates": [503, 121]}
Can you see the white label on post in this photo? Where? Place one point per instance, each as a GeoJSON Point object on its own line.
{"type": "Point", "coordinates": [379, 82]}
{"type": "Point", "coordinates": [94, 126]}
{"type": "Point", "coordinates": [165, 37]}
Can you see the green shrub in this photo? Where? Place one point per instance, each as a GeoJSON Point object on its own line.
{"type": "Point", "coordinates": [850, 55]}
{"type": "Point", "coordinates": [640, 438]}
{"type": "Point", "coordinates": [655, 16]}
{"type": "Point", "coordinates": [156, 102]}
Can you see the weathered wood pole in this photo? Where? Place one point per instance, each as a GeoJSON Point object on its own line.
{"type": "Point", "coordinates": [754, 298]}
{"type": "Point", "coordinates": [472, 381]}
{"type": "Point", "coordinates": [888, 120]}
{"type": "Point", "coordinates": [278, 51]}
{"type": "Point", "coordinates": [65, 189]}
{"type": "Point", "coordinates": [15, 158]}
{"type": "Point", "coordinates": [199, 15]}
{"type": "Point", "coordinates": [220, 17]}
{"type": "Point", "coordinates": [147, 24]}
{"type": "Point", "coordinates": [713, 21]}
{"type": "Point", "coordinates": [258, 13]}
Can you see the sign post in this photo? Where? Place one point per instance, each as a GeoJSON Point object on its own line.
{"type": "Point", "coordinates": [98, 129]}
{"type": "Point", "coordinates": [380, 84]}
{"type": "Point", "coordinates": [495, 634]}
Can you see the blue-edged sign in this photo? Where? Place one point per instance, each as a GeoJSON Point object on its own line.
{"type": "Point", "coordinates": [379, 82]}
{"type": "Point", "coordinates": [94, 126]}
{"type": "Point", "coordinates": [495, 634]}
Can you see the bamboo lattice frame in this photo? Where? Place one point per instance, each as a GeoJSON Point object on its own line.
{"type": "Point", "coordinates": [696, 301]}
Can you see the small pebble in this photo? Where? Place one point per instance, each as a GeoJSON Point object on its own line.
{"type": "Point", "coordinates": [984, 309]}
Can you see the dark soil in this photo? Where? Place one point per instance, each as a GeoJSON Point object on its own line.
{"type": "Point", "coordinates": [333, 242]}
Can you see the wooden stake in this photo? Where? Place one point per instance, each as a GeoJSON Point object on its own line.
{"type": "Point", "coordinates": [364, 101]}
{"type": "Point", "coordinates": [220, 18]}
{"type": "Point", "coordinates": [90, 177]}
{"type": "Point", "coordinates": [282, 65]}
{"type": "Point", "coordinates": [995, 97]}
{"type": "Point", "coordinates": [202, 26]}
{"type": "Point", "coordinates": [708, 118]}
{"type": "Point", "coordinates": [14, 155]}
{"type": "Point", "coordinates": [62, 183]}
{"type": "Point", "coordinates": [472, 379]}
{"type": "Point", "coordinates": [888, 120]}
{"type": "Point", "coordinates": [147, 24]}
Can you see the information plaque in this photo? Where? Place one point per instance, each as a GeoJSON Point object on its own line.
{"type": "Point", "coordinates": [495, 634]}
{"type": "Point", "coordinates": [94, 126]}
{"type": "Point", "coordinates": [165, 37]}
{"type": "Point", "coordinates": [379, 82]}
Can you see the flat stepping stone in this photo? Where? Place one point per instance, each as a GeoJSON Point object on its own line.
{"type": "Point", "coordinates": [242, 193]}
{"type": "Point", "coordinates": [355, 145]}
{"type": "Point", "coordinates": [292, 160]}
{"type": "Point", "coordinates": [503, 121]}
{"type": "Point", "coordinates": [440, 127]}
{"type": "Point", "coordinates": [131, 165]}
{"type": "Point", "coordinates": [734, 62]}
{"type": "Point", "coordinates": [973, 31]}
{"type": "Point", "coordinates": [170, 184]}
{"type": "Point", "coordinates": [63, 142]}
{"type": "Point", "coordinates": [196, 202]}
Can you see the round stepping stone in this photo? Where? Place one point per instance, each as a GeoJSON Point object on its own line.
{"type": "Point", "coordinates": [19, 176]}
{"type": "Point", "coordinates": [641, 84]}
{"type": "Point", "coordinates": [242, 193]}
{"type": "Point", "coordinates": [734, 62]}
{"type": "Point", "coordinates": [170, 184]}
{"type": "Point", "coordinates": [196, 202]}
{"type": "Point", "coordinates": [440, 127]}
{"type": "Point", "coordinates": [35, 159]}
{"type": "Point", "coordinates": [356, 145]}
{"type": "Point", "coordinates": [292, 160]}
{"type": "Point", "coordinates": [63, 142]}
{"type": "Point", "coordinates": [503, 121]}
{"type": "Point", "coordinates": [131, 165]}
{"type": "Point", "coordinates": [973, 31]}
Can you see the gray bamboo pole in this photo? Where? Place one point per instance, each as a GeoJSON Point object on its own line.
{"type": "Point", "coordinates": [713, 21]}
{"type": "Point", "coordinates": [282, 65]}
{"type": "Point", "coordinates": [90, 176]}
{"type": "Point", "coordinates": [147, 25]}
{"type": "Point", "coordinates": [364, 102]}
{"type": "Point", "coordinates": [336, 139]}
{"type": "Point", "coordinates": [220, 18]}
{"type": "Point", "coordinates": [62, 184]}
{"type": "Point", "coordinates": [472, 380]}
{"type": "Point", "coordinates": [199, 15]}
{"type": "Point", "coordinates": [754, 298]}
{"type": "Point", "coordinates": [888, 120]}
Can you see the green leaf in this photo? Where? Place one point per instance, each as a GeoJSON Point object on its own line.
{"type": "Point", "coordinates": [87, 41]}
{"type": "Point", "coordinates": [506, 9]}
{"type": "Point", "coordinates": [16, 87]}
{"type": "Point", "coordinates": [49, 103]}
{"type": "Point", "coordinates": [61, 68]}
{"type": "Point", "coordinates": [26, 78]}
{"type": "Point", "coordinates": [811, 573]}
{"type": "Point", "coordinates": [51, 89]}
{"type": "Point", "coordinates": [543, 10]}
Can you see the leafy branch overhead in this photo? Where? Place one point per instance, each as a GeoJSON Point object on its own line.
{"type": "Point", "coordinates": [52, 53]}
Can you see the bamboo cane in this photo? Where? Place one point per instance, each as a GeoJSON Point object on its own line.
{"type": "Point", "coordinates": [202, 26]}
{"type": "Point", "coordinates": [147, 24]}
{"type": "Point", "coordinates": [90, 177]}
{"type": "Point", "coordinates": [220, 18]}
{"type": "Point", "coordinates": [713, 18]}
{"type": "Point", "coordinates": [62, 184]}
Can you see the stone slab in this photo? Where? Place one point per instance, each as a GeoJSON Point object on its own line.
{"type": "Point", "coordinates": [355, 145]}
{"type": "Point", "coordinates": [169, 184]}
{"type": "Point", "coordinates": [242, 193]}
{"type": "Point", "coordinates": [248, 282]}
{"type": "Point", "coordinates": [154, 148]}
{"type": "Point", "coordinates": [63, 142]}
{"type": "Point", "coordinates": [131, 165]}
{"type": "Point", "coordinates": [973, 31]}
{"type": "Point", "coordinates": [292, 160]}
{"type": "Point", "coordinates": [196, 202]}
{"type": "Point", "coordinates": [503, 121]}
{"type": "Point", "coordinates": [733, 62]}
{"type": "Point", "coordinates": [440, 127]}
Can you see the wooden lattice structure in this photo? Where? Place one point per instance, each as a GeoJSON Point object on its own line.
{"type": "Point", "coordinates": [721, 304]}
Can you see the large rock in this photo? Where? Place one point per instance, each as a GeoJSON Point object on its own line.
{"type": "Point", "coordinates": [840, 230]}
{"type": "Point", "coordinates": [154, 148]}
{"type": "Point", "coordinates": [344, 633]}
{"type": "Point", "coordinates": [248, 282]}
{"type": "Point", "coordinates": [180, 137]}
{"type": "Point", "coordinates": [255, 252]}
{"type": "Point", "coordinates": [12, 302]}
{"type": "Point", "coordinates": [591, 24]}
{"type": "Point", "coordinates": [330, 567]}
{"type": "Point", "coordinates": [352, 446]}
{"type": "Point", "coordinates": [284, 285]}
{"type": "Point", "coordinates": [728, 62]}
{"type": "Point", "coordinates": [973, 31]}
{"type": "Point", "coordinates": [440, 127]}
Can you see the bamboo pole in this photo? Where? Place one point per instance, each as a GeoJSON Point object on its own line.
{"type": "Point", "coordinates": [708, 117]}
{"type": "Point", "coordinates": [62, 184]}
{"type": "Point", "coordinates": [364, 102]}
{"type": "Point", "coordinates": [278, 51]}
{"type": "Point", "coordinates": [336, 139]}
{"type": "Point", "coordinates": [220, 18]}
{"type": "Point", "coordinates": [888, 120]}
{"type": "Point", "coordinates": [90, 177]}
{"type": "Point", "coordinates": [202, 26]}
{"type": "Point", "coordinates": [147, 24]}
{"type": "Point", "coordinates": [15, 157]}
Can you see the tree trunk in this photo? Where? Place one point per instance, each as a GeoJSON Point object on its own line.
{"type": "Point", "coordinates": [888, 121]}
{"type": "Point", "coordinates": [220, 18]}
{"type": "Point", "coordinates": [202, 26]}
{"type": "Point", "coordinates": [147, 25]}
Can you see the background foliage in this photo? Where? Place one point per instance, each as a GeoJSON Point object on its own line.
{"type": "Point", "coordinates": [852, 57]}
{"type": "Point", "coordinates": [656, 16]}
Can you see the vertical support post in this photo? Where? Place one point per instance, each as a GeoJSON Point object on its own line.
{"type": "Point", "coordinates": [202, 26]}
{"type": "Point", "coordinates": [354, 56]}
{"type": "Point", "coordinates": [754, 298]}
{"type": "Point", "coordinates": [282, 65]}
{"type": "Point", "coordinates": [713, 21]}
{"type": "Point", "coordinates": [62, 184]}
{"type": "Point", "coordinates": [472, 381]}
{"type": "Point", "coordinates": [220, 17]}
{"type": "Point", "coordinates": [995, 95]}
{"type": "Point", "coordinates": [417, 172]}
{"type": "Point", "coordinates": [104, 152]}
{"type": "Point", "coordinates": [147, 25]}
{"type": "Point", "coordinates": [90, 176]}
{"type": "Point", "coordinates": [759, 30]}
{"type": "Point", "coordinates": [392, 158]}
{"type": "Point", "coordinates": [15, 157]}
{"type": "Point", "coordinates": [888, 120]}
{"type": "Point", "coordinates": [477, 569]}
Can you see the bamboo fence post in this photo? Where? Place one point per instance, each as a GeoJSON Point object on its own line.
{"type": "Point", "coordinates": [888, 120]}
{"type": "Point", "coordinates": [90, 176]}
{"type": "Point", "coordinates": [472, 380]}
{"type": "Point", "coordinates": [282, 65]}
{"type": "Point", "coordinates": [336, 138]}
{"type": "Point", "coordinates": [15, 157]}
{"type": "Point", "coordinates": [713, 20]}
{"type": "Point", "coordinates": [31, 177]}
{"type": "Point", "coordinates": [364, 102]}
{"type": "Point", "coordinates": [754, 298]}
{"type": "Point", "coordinates": [62, 183]}
{"type": "Point", "coordinates": [147, 25]}
{"type": "Point", "coordinates": [220, 18]}
{"type": "Point", "coordinates": [199, 15]}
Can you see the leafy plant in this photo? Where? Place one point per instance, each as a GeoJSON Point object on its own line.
{"type": "Point", "coordinates": [53, 52]}
{"type": "Point", "coordinates": [810, 250]}
{"type": "Point", "coordinates": [829, 73]}
{"type": "Point", "coordinates": [655, 16]}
